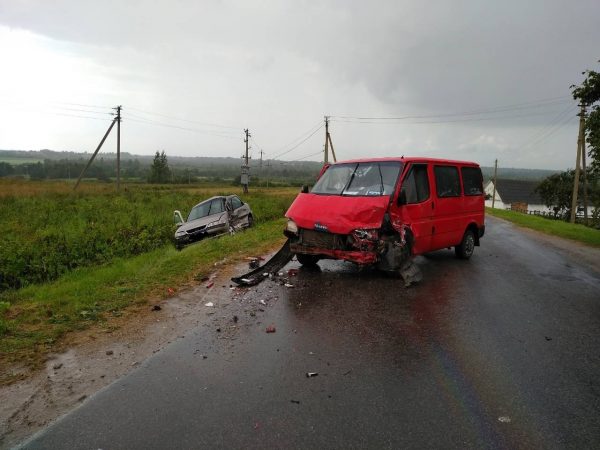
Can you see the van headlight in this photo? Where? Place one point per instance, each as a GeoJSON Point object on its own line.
{"type": "Point", "coordinates": [291, 227]}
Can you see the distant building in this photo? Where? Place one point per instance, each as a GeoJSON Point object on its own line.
{"type": "Point", "coordinates": [518, 195]}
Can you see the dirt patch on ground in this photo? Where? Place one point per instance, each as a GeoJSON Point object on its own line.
{"type": "Point", "coordinates": [98, 356]}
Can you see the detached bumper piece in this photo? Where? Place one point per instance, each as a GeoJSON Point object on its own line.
{"type": "Point", "coordinates": [280, 259]}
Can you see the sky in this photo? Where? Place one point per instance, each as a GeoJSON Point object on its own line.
{"type": "Point", "coordinates": [476, 80]}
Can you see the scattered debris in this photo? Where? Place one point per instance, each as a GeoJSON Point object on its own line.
{"type": "Point", "coordinates": [280, 274]}
{"type": "Point", "coordinates": [171, 291]}
{"type": "Point", "coordinates": [504, 419]}
{"type": "Point", "coordinates": [311, 374]}
{"type": "Point", "coordinates": [209, 304]}
{"type": "Point", "coordinates": [253, 264]}
{"type": "Point", "coordinates": [218, 330]}
{"type": "Point", "coordinates": [297, 402]}
{"type": "Point", "coordinates": [288, 285]}
{"type": "Point", "coordinates": [209, 285]}
{"type": "Point", "coordinates": [548, 338]}
{"type": "Point", "coordinates": [266, 274]}
{"type": "Point", "coordinates": [156, 308]}
{"type": "Point", "coordinates": [109, 352]}
{"type": "Point", "coordinates": [262, 302]}
{"type": "Point", "coordinates": [57, 366]}
{"type": "Point", "coordinates": [292, 272]}
{"type": "Point", "coordinates": [204, 357]}
{"type": "Point", "coordinates": [270, 329]}
{"type": "Point", "coordinates": [235, 319]}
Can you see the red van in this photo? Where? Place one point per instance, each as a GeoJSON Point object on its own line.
{"type": "Point", "coordinates": [383, 211]}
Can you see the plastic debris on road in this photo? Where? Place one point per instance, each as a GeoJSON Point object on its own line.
{"type": "Point", "coordinates": [292, 272]}
{"type": "Point", "coordinates": [311, 374]}
{"type": "Point", "coordinates": [271, 329]}
{"type": "Point", "coordinates": [262, 302]}
{"type": "Point", "coordinates": [209, 304]}
{"type": "Point", "coordinates": [288, 285]}
{"type": "Point", "coordinates": [209, 285]}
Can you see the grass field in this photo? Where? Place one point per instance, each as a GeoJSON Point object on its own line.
{"type": "Point", "coordinates": [576, 232]}
{"type": "Point", "coordinates": [79, 259]}
{"type": "Point", "coordinates": [49, 230]}
{"type": "Point", "coordinates": [16, 161]}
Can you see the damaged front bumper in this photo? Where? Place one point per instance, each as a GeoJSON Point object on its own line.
{"type": "Point", "coordinates": [362, 246]}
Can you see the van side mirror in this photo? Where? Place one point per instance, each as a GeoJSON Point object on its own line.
{"type": "Point", "coordinates": [402, 198]}
{"type": "Point", "coordinates": [177, 218]}
{"type": "Point", "coordinates": [304, 189]}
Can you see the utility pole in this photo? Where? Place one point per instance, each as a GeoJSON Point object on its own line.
{"type": "Point", "coordinates": [245, 178]}
{"type": "Point", "coordinates": [118, 118]}
{"type": "Point", "coordinates": [580, 149]}
{"type": "Point", "coordinates": [328, 143]}
{"type": "Point", "coordinates": [112, 124]}
{"type": "Point", "coordinates": [495, 182]}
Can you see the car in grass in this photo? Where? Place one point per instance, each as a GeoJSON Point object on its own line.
{"type": "Point", "coordinates": [217, 215]}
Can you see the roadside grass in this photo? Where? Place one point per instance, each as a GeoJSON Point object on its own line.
{"type": "Point", "coordinates": [48, 230]}
{"type": "Point", "coordinates": [34, 319]}
{"type": "Point", "coordinates": [576, 232]}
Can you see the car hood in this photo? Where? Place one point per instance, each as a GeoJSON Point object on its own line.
{"type": "Point", "coordinates": [220, 217]}
{"type": "Point", "coordinates": [336, 213]}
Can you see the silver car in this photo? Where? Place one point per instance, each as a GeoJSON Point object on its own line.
{"type": "Point", "coordinates": [217, 215]}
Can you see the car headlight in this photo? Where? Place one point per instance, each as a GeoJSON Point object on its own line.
{"type": "Point", "coordinates": [291, 226]}
{"type": "Point", "coordinates": [180, 233]}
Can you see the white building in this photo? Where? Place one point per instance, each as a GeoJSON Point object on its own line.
{"type": "Point", "coordinates": [518, 195]}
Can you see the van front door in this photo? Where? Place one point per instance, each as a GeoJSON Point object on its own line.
{"type": "Point", "coordinates": [416, 212]}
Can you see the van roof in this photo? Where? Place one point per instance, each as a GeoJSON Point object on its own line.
{"type": "Point", "coordinates": [409, 159]}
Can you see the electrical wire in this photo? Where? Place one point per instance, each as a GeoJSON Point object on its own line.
{"type": "Point", "coordinates": [299, 143]}
{"type": "Point", "coordinates": [147, 122]}
{"type": "Point", "coordinates": [183, 120]}
{"type": "Point", "coordinates": [491, 110]}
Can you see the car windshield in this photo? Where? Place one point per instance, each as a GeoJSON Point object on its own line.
{"type": "Point", "coordinates": [205, 209]}
{"type": "Point", "coordinates": [359, 179]}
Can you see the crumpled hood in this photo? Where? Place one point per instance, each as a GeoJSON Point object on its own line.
{"type": "Point", "coordinates": [219, 217]}
{"type": "Point", "coordinates": [339, 214]}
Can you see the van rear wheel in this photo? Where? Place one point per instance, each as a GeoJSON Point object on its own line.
{"type": "Point", "coordinates": [307, 260]}
{"type": "Point", "coordinates": [465, 249]}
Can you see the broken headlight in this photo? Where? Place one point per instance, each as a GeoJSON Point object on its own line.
{"type": "Point", "coordinates": [291, 227]}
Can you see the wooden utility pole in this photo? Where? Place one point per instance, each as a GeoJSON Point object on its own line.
{"type": "Point", "coordinates": [495, 182]}
{"type": "Point", "coordinates": [328, 143]}
{"type": "Point", "coordinates": [245, 178]}
{"type": "Point", "coordinates": [580, 149]}
{"type": "Point", "coordinates": [118, 118]}
{"type": "Point", "coordinates": [112, 124]}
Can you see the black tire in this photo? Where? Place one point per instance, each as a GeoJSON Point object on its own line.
{"type": "Point", "coordinates": [307, 260]}
{"type": "Point", "coordinates": [465, 249]}
{"type": "Point", "coordinates": [250, 221]}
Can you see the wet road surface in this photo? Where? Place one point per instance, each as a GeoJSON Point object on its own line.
{"type": "Point", "coordinates": [502, 351]}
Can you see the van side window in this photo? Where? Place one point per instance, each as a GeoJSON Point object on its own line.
{"type": "Point", "coordinates": [447, 181]}
{"type": "Point", "coordinates": [472, 180]}
{"type": "Point", "coordinates": [416, 184]}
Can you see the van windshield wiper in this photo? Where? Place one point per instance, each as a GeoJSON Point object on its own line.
{"type": "Point", "coordinates": [349, 181]}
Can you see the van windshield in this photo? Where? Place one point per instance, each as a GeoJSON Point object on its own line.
{"type": "Point", "coordinates": [359, 179]}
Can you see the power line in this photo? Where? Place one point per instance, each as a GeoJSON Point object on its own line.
{"type": "Point", "coordinates": [183, 120]}
{"type": "Point", "coordinates": [490, 110]}
{"type": "Point", "coordinates": [196, 130]}
{"type": "Point", "coordinates": [321, 125]}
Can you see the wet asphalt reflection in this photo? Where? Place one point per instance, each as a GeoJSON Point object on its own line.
{"type": "Point", "coordinates": [497, 352]}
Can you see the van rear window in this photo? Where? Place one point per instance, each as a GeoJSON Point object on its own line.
{"type": "Point", "coordinates": [447, 181]}
{"type": "Point", "coordinates": [472, 180]}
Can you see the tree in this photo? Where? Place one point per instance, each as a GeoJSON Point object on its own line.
{"type": "Point", "coordinates": [556, 191]}
{"type": "Point", "coordinates": [160, 171]}
{"type": "Point", "coordinates": [588, 94]}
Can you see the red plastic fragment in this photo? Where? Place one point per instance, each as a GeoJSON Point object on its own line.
{"type": "Point", "coordinates": [270, 329]}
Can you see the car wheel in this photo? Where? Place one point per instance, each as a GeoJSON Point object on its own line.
{"type": "Point", "coordinates": [307, 260]}
{"type": "Point", "coordinates": [466, 247]}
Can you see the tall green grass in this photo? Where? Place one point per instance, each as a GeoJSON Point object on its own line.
{"type": "Point", "coordinates": [48, 234]}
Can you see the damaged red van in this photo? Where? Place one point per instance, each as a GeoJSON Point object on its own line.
{"type": "Point", "coordinates": [384, 211]}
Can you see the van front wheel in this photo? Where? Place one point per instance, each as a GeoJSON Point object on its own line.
{"type": "Point", "coordinates": [465, 249]}
{"type": "Point", "coordinates": [307, 260]}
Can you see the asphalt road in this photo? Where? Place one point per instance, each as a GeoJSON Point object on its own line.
{"type": "Point", "coordinates": [502, 351]}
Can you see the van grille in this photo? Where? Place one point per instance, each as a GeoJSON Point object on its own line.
{"type": "Point", "coordinates": [319, 239]}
